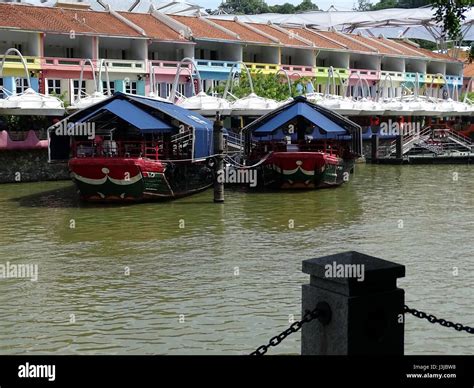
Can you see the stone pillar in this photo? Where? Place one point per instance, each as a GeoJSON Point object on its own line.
{"type": "Point", "coordinates": [366, 307]}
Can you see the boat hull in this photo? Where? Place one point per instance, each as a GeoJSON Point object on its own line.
{"type": "Point", "coordinates": [303, 171]}
{"type": "Point", "coordinates": [101, 179]}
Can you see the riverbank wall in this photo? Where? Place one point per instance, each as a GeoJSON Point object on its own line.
{"type": "Point", "coordinates": [18, 166]}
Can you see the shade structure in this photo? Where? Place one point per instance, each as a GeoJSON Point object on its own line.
{"type": "Point", "coordinates": [301, 109]}
{"type": "Point", "coordinates": [147, 116]}
{"type": "Point", "coordinates": [129, 113]}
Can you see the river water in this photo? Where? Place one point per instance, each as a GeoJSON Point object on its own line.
{"type": "Point", "coordinates": [194, 277]}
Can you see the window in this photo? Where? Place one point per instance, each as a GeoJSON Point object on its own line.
{"type": "Point", "coordinates": [131, 87]}
{"type": "Point", "coordinates": [180, 90]}
{"type": "Point", "coordinates": [54, 86]}
{"type": "Point", "coordinates": [75, 92]}
{"type": "Point", "coordinates": [1, 88]}
{"type": "Point", "coordinates": [21, 85]}
{"type": "Point", "coordinates": [213, 55]}
{"type": "Point", "coordinates": [69, 52]}
{"type": "Point", "coordinates": [112, 87]}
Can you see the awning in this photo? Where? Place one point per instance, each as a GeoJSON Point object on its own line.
{"type": "Point", "coordinates": [304, 110]}
{"type": "Point", "coordinates": [128, 112]}
{"type": "Point", "coordinates": [184, 116]}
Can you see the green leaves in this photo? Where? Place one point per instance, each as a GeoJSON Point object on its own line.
{"type": "Point", "coordinates": [265, 85]}
{"type": "Point", "coordinates": [450, 13]}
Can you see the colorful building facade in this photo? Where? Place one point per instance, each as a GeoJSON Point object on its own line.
{"type": "Point", "coordinates": [142, 48]}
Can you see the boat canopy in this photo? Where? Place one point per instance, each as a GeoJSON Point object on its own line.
{"type": "Point", "coordinates": [327, 124]}
{"type": "Point", "coordinates": [136, 117]}
{"type": "Point", "coordinates": [147, 116]}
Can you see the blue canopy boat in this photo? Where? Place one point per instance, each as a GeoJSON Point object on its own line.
{"type": "Point", "coordinates": [303, 146]}
{"type": "Point", "coordinates": [131, 148]}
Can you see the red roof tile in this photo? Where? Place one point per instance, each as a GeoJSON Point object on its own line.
{"type": "Point", "coordinates": [246, 34]}
{"type": "Point", "coordinates": [377, 44]}
{"type": "Point", "coordinates": [469, 70]}
{"type": "Point", "coordinates": [351, 45]}
{"type": "Point", "coordinates": [153, 27]}
{"type": "Point", "coordinates": [32, 18]}
{"type": "Point", "coordinates": [203, 30]}
{"type": "Point", "coordinates": [318, 40]}
{"type": "Point", "coordinates": [286, 38]}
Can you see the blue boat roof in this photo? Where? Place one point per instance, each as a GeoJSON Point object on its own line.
{"type": "Point", "coordinates": [140, 119]}
{"type": "Point", "coordinates": [183, 115]}
{"type": "Point", "coordinates": [150, 116]}
{"type": "Point", "coordinates": [329, 122]}
{"type": "Point", "coordinates": [306, 111]}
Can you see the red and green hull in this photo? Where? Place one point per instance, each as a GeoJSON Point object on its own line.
{"type": "Point", "coordinates": [102, 179]}
{"type": "Point", "coordinates": [303, 171]}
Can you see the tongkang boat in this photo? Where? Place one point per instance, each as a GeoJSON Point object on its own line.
{"type": "Point", "coordinates": [129, 148]}
{"type": "Point", "coordinates": [302, 146]}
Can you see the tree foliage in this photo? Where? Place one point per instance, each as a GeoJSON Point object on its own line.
{"type": "Point", "coordinates": [266, 85]}
{"type": "Point", "coordinates": [251, 7]}
{"type": "Point", "coordinates": [450, 13]}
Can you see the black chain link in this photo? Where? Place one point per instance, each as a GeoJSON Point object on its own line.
{"type": "Point", "coordinates": [295, 327]}
{"type": "Point", "coordinates": [433, 319]}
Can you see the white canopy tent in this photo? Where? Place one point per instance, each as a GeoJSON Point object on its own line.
{"type": "Point", "coordinates": [415, 23]}
{"type": "Point", "coordinates": [395, 23]}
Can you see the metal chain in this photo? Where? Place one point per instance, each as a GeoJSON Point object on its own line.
{"type": "Point", "coordinates": [295, 327]}
{"type": "Point", "coordinates": [443, 322]}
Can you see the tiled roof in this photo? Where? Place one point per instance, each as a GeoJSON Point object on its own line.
{"type": "Point", "coordinates": [246, 34]}
{"type": "Point", "coordinates": [203, 30]}
{"type": "Point", "coordinates": [286, 38]}
{"type": "Point", "coordinates": [350, 44]}
{"type": "Point", "coordinates": [427, 53]}
{"type": "Point", "coordinates": [469, 70]}
{"type": "Point", "coordinates": [318, 40]}
{"type": "Point", "coordinates": [153, 27]}
{"type": "Point", "coordinates": [407, 50]}
{"type": "Point", "coordinates": [62, 20]}
{"type": "Point", "coordinates": [377, 44]}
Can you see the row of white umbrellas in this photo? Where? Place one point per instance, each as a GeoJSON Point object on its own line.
{"type": "Point", "coordinates": [32, 102]}
{"type": "Point", "coordinates": [29, 102]}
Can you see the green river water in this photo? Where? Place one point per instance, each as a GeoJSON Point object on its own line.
{"type": "Point", "coordinates": [194, 277]}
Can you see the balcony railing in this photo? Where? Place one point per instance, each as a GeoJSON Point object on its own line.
{"type": "Point", "coordinates": [215, 65]}
{"type": "Point", "coordinates": [324, 72]}
{"type": "Point", "coordinates": [422, 77]}
{"type": "Point", "coordinates": [124, 65]}
{"type": "Point", "coordinates": [62, 63]}
{"type": "Point", "coordinates": [371, 75]}
{"type": "Point", "coordinates": [393, 74]}
{"type": "Point", "coordinates": [14, 62]}
{"type": "Point", "coordinates": [265, 68]}
{"type": "Point", "coordinates": [454, 79]}
{"type": "Point", "coordinates": [168, 68]}
{"type": "Point", "coordinates": [433, 78]}
{"type": "Point", "coordinates": [294, 70]}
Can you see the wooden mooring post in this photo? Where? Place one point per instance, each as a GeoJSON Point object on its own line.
{"type": "Point", "coordinates": [399, 147]}
{"type": "Point", "coordinates": [374, 147]}
{"type": "Point", "coordinates": [218, 131]}
{"type": "Point", "coordinates": [365, 306]}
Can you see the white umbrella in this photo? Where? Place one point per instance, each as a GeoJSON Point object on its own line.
{"type": "Point", "coordinates": [29, 102]}
{"type": "Point", "coordinates": [201, 103]}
